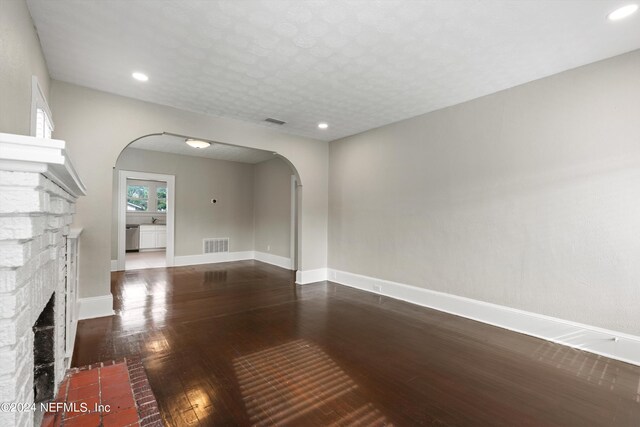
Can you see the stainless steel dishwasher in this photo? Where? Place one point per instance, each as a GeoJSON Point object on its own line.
{"type": "Point", "coordinates": [133, 238]}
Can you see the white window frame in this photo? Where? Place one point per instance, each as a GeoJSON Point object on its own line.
{"type": "Point", "coordinates": [159, 198]}
{"type": "Point", "coordinates": [39, 102]}
{"type": "Point", "coordinates": [152, 200]}
{"type": "Point", "coordinates": [148, 199]}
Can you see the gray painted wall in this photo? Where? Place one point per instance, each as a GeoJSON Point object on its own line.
{"type": "Point", "coordinates": [198, 180]}
{"type": "Point", "coordinates": [20, 58]}
{"type": "Point", "coordinates": [528, 198]}
{"type": "Point", "coordinates": [272, 207]}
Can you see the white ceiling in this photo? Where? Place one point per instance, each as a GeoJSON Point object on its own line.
{"type": "Point", "coordinates": [176, 145]}
{"type": "Point", "coordinates": [356, 64]}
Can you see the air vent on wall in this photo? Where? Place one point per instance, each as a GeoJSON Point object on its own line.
{"type": "Point", "coordinates": [275, 121]}
{"type": "Point", "coordinates": [215, 245]}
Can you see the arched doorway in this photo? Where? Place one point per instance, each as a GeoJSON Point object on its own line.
{"type": "Point", "coordinates": [165, 157]}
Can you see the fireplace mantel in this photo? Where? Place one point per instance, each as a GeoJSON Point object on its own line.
{"type": "Point", "coordinates": [20, 153]}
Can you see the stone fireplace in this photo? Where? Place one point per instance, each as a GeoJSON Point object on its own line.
{"type": "Point", "coordinates": [38, 190]}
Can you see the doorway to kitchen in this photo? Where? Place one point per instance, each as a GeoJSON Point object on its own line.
{"type": "Point", "coordinates": [146, 211]}
{"type": "Point", "coordinates": [146, 224]}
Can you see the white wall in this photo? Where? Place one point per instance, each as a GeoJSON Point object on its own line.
{"type": "Point", "coordinates": [272, 207]}
{"type": "Point", "coordinates": [97, 126]}
{"type": "Point", "coordinates": [198, 180]}
{"type": "Point", "coordinates": [528, 198]}
{"type": "Point", "coordinates": [20, 58]}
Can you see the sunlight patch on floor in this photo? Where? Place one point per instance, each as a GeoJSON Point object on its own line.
{"type": "Point", "coordinates": [283, 384]}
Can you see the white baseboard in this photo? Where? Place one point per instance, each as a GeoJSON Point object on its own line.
{"type": "Point", "coordinates": [280, 261]}
{"type": "Point", "coordinates": [91, 307]}
{"type": "Point", "coordinates": [584, 337]}
{"type": "Point", "coordinates": [304, 277]}
{"type": "Point", "coordinates": [179, 261]}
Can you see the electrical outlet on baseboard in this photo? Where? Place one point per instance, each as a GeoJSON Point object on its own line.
{"type": "Point", "coordinates": [377, 288]}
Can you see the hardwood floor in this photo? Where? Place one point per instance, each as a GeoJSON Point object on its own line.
{"type": "Point", "coordinates": [240, 344]}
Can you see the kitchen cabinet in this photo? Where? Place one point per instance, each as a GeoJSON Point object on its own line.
{"type": "Point", "coordinates": [153, 236]}
{"type": "Point", "coordinates": [161, 238]}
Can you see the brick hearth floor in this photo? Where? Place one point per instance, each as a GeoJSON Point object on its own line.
{"type": "Point", "coordinates": [122, 385]}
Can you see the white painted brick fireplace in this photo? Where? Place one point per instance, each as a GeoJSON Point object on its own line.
{"type": "Point", "coordinates": [38, 190]}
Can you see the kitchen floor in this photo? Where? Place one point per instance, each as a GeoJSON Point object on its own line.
{"type": "Point", "coordinates": [141, 260]}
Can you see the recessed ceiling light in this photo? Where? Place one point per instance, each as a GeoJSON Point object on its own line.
{"type": "Point", "coordinates": [622, 12]}
{"type": "Point", "coordinates": [323, 125]}
{"type": "Point", "coordinates": [141, 77]}
{"type": "Point", "coordinates": [196, 143]}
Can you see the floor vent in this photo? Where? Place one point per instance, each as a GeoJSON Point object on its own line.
{"type": "Point", "coordinates": [214, 246]}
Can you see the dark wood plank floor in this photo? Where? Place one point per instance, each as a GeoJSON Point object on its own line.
{"type": "Point", "coordinates": [240, 344]}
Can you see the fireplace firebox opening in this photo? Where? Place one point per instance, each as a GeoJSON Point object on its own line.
{"type": "Point", "coordinates": [44, 354]}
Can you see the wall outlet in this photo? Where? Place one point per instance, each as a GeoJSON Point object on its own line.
{"type": "Point", "coordinates": [377, 288]}
{"type": "Point", "coordinates": [268, 248]}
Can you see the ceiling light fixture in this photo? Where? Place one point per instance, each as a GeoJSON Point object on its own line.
{"type": "Point", "coordinates": [141, 77]}
{"type": "Point", "coordinates": [196, 143]}
{"type": "Point", "coordinates": [323, 125]}
{"type": "Point", "coordinates": [622, 12]}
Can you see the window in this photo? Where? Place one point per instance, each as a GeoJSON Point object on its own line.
{"type": "Point", "coordinates": [137, 198]}
{"type": "Point", "coordinates": [161, 199]}
{"type": "Point", "coordinates": [146, 196]}
{"type": "Point", "coordinates": [41, 122]}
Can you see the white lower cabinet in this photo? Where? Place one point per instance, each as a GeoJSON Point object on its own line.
{"type": "Point", "coordinates": [161, 239]}
{"type": "Point", "coordinates": [153, 236]}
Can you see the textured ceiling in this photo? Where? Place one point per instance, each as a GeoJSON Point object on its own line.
{"type": "Point", "coordinates": [176, 145]}
{"type": "Point", "coordinates": [355, 64]}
